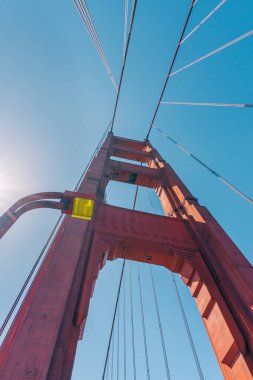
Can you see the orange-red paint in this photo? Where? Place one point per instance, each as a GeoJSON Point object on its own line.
{"type": "Point", "coordinates": [42, 340]}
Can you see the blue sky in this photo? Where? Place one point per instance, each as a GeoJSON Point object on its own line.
{"type": "Point", "coordinates": [55, 102]}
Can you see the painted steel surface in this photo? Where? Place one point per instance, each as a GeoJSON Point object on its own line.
{"type": "Point", "coordinates": [42, 341]}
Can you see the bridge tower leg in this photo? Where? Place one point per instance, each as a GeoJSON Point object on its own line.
{"type": "Point", "coordinates": [42, 340]}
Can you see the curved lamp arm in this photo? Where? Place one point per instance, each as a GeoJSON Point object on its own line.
{"type": "Point", "coordinates": [78, 205]}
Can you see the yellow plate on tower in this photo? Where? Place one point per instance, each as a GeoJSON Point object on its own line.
{"type": "Point", "coordinates": [83, 208]}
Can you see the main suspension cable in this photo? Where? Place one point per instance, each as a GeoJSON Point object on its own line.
{"type": "Point", "coordinates": [187, 329]}
{"type": "Point", "coordinates": [223, 47]}
{"type": "Point", "coordinates": [240, 105]}
{"type": "Point", "coordinates": [203, 21]}
{"type": "Point", "coordinates": [171, 66]}
{"type": "Point", "coordinates": [220, 177]}
{"type": "Point", "coordinates": [124, 61]}
{"type": "Point", "coordinates": [85, 15]}
{"type": "Point", "coordinates": [160, 325]}
{"type": "Point", "coordinates": [143, 324]}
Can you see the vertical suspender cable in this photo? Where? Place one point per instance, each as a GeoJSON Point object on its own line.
{"type": "Point", "coordinates": [132, 320]}
{"type": "Point", "coordinates": [187, 329]}
{"type": "Point", "coordinates": [151, 202]}
{"type": "Point", "coordinates": [112, 351]}
{"type": "Point", "coordinates": [107, 371]}
{"type": "Point", "coordinates": [124, 324]}
{"type": "Point", "coordinates": [143, 325]}
{"type": "Point", "coordinates": [160, 325]}
{"type": "Point", "coordinates": [114, 317]}
{"type": "Point", "coordinates": [118, 320]}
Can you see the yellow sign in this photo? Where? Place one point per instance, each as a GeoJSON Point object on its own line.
{"type": "Point", "coordinates": [83, 208]}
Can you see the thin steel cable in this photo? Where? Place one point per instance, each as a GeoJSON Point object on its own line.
{"type": "Point", "coordinates": [124, 61]}
{"type": "Point", "coordinates": [46, 247]}
{"type": "Point", "coordinates": [114, 317]}
{"type": "Point", "coordinates": [221, 178]}
{"type": "Point", "coordinates": [112, 353]}
{"type": "Point", "coordinates": [240, 105]}
{"type": "Point", "coordinates": [118, 347]}
{"type": "Point", "coordinates": [20, 294]}
{"type": "Point", "coordinates": [151, 202]}
{"type": "Point", "coordinates": [93, 155]}
{"type": "Point", "coordinates": [124, 324]}
{"type": "Point", "coordinates": [132, 321]}
{"type": "Point", "coordinates": [107, 371]}
{"type": "Point", "coordinates": [160, 325]}
{"type": "Point", "coordinates": [171, 67]}
{"type": "Point", "coordinates": [204, 20]}
{"type": "Point", "coordinates": [90, 23]}
{"type": "Point", "coordinates": [223, 47]}
{"type": "Point", "coordinates": [86, 17]}
{"type": "Point", "coordinates": [94, 38]}
{"type": "Point", "coordinates": [143, 324]}
{"type": "Point", "coordinates": [187, 329]}
{"type": "Point", "coordinates": [125, 27]}
{"type": "Point", "coordinates": [84, 13]}
{"type": "Point", "coordinates": [135, 196]}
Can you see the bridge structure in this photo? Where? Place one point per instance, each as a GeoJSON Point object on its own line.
{"type": "Point", "coordinates": [42, 340]}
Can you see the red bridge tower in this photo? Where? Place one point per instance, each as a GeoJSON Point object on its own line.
{"type": "Point", "coordinates": [42, 340]}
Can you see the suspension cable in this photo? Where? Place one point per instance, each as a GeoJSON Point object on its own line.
{"type": "Point", "coordinates": [114, 317]}
{"type": "Point", "coordinates": [223, 47]}
{"type": "Point", "coordinates": [132, 320]}
{"type": "Point", "coordinates": [93, 155]}
{"type": "Point", "coordinates": [107, 371]}
{"type": "Point", "coordinates": [112, 353]}
{"type": "Point", "coordinates": [240, 105]}
{"type": "Point", "coordinates": [20, 294]}
{"type": "Point", "coordinates": [118, 348]}
{"type": "Point", "coordinates": [143, 325]}
{"type": "Point", "coordinates": [187, 329]}
{"type": "Point", "coordinates": [221, 178]}
{"type": "Point", "coordinates": [124, 325]}
{"type": "Point", "coordinates": [204, 20]}
{"type": "Point", "coordinates": [125, 27]}
{"type": "Point", "coordinates": [160, 325]}
{"type": "Point", "coordinates": [151, 202]}
{"type": "Point", "coordinates": [124, 61]}
{"type": "Point", "coordinates": [85, 15]}
{"type": "Point", "coordinates": [47, 245]}
{"type": "Point", "coordinates": [171, 66]}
